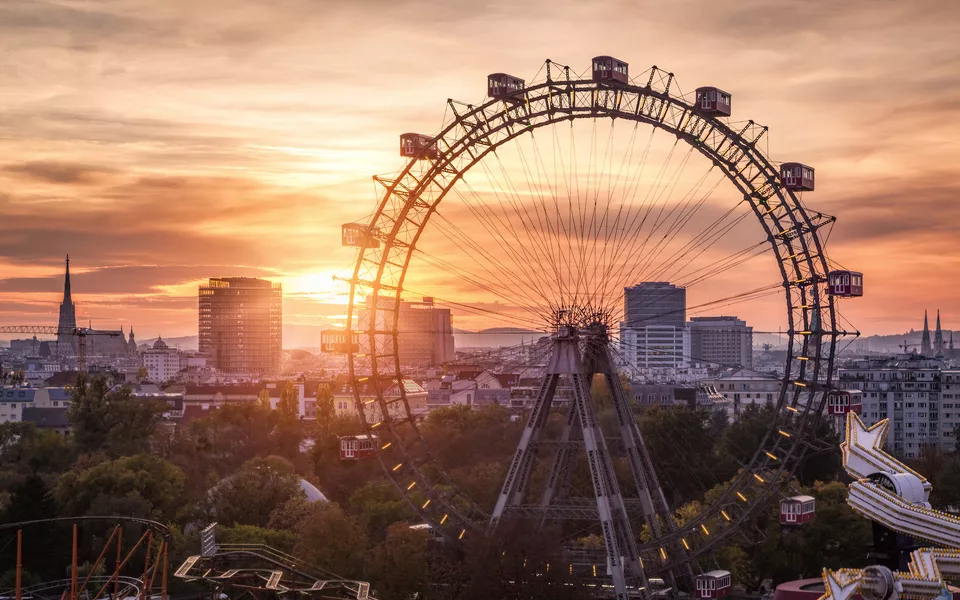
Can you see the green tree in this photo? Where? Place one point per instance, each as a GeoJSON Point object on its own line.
{"type": "Point", "coordinates": [325, 410]}
{"type": "Point", "coordinates": [111, 420]}
{"type": "Point", "coordinates": [263, 399]}
{"type": "Point", "coordinates": [252, 494]}
{"type": "Point", "coordinates": [141, 485]}
{"type": "Point", "coordinates": [333, 540]}
{"type": "Point", "coordinates": [377, 505]}
{"type": "Point", "coordinates": [398, 566]}
{"type": "Point", "coordinates": [682, 449]}
{"type": "Point", "coordinates": [289, 403]}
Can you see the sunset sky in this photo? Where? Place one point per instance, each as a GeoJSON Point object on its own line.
{"type": "Point", "coordinates": [163, 142]}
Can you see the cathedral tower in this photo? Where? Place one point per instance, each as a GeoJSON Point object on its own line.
{"type": "Point", "coordinates": [938, 345]}
{"type": "Point", "coordinates": [66, 340]}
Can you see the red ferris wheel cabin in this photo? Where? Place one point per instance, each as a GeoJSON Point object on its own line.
{"type": "Point", "coordinates": [608, 68]}
{"type": "Point", "coordinates": [502, 86]}
{"type": "Point", "coordinates": [797, 177]}
{"type": "Point", "coordinates": [417, 145]}
{"type": "Point", "coordinates": [356, 447]}
{"type": "Point", "coordinates": [845, 284]}
{"type": "Point", "coordinates": [840, 402]}
{"type": "Point", "coordinates": [798, 510]}
{"type": "Point", "coordinates": [713, 584]}
{"type": "Point", "coordinates": [713, 101]}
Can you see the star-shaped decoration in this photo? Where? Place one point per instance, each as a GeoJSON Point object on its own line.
{"type": "Point", "coordinates": [863, 453]}
{"type": "Point", "coordinates": [840, 585]}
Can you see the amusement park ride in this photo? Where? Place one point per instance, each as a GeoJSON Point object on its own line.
{"type": "Point", "coordinates": [565, 266]}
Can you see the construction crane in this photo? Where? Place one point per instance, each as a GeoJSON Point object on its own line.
{"type": "Point", "coordinates": [81, 334]}
{"type": "Point", "coordinates": [906, 347]}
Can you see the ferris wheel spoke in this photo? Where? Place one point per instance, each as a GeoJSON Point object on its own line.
{"type": "Point", "coordinates": [706, 244]}
{"type": "Point", "coordinates": [683, 256]}
{"type": "Point", "coordinates": [634, 226]}
{"type": "Point", "coordinates": [513, 248]}
{"type": "Point", "coordinates": [600, 228]}
{"type": "Point", "coordinates": [559, 229]}
{"type": "Point", "coordinates": [519, 247]}
{"type": "Point", "coordinates": [534, 317]}
{"type": "Point", "coordinates": [684, 210]}
{"type": "Point", "coordinates": [634, 241]}
{"type": "Point", "coordinates": [495, 269]}
{"type": "Point", "coordinates": [540, 241]}
{"type": "Point", "coordinates": [610, 228]}
{"type": "Point", "coordinates": [647, 260]}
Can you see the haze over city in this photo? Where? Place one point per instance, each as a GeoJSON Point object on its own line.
{"type": "Point", "coordinates": [163, 143]}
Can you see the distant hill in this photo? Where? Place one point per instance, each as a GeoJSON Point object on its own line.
{"type": "Point", "coordinates": [495, 337]}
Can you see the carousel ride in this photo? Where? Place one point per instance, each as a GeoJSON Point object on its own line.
{"type": "Point", "coordinates": [534, 209]}
{"type": "Point", "coordinates": [890, 494]}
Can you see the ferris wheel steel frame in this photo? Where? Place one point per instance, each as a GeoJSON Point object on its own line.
{"type": "Point", "coordinates": [410, 199]}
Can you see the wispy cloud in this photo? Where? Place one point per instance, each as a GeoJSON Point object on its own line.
{"type": "Point", "coordinates": [160, 143]}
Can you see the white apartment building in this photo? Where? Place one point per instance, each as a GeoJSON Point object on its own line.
{"type": "Point", "coordinates": [919, 396]}
{"type": "Point", "coordinates": [745, 387]}
{"type": "Point", "coordinates": [161, 362]}
{"type": "Point", "coordinates": [12, 402]}
{"type": "Point", "coordinates": [655, 349]}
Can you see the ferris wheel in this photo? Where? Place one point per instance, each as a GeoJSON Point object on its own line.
{"type": "Point", "coordinates": [531, 212]}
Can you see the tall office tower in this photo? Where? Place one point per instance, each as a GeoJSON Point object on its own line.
{"type": "Point", "coordinates": [425, 331]}
{"type": "Point", "coordinates": [653, 334]}
{"type": "Point", "coordinates": [655, 303]}
{"type": "Point", "coordinates": [241, 324]}
{"type": "Point", "coordinates": [721, 341]}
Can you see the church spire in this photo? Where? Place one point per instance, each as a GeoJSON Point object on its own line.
{"type": "Point", "coordinates": [66, 284]}
{"type": "Point", "coordinates": [938, 345]}
{"type": "Point", "coordinates": [68, 315]}
{"type": "Point", "coordinates": [926, 348]}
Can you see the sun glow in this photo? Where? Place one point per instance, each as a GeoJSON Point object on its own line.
{"type": "Point", "coordinates": [318, 286]}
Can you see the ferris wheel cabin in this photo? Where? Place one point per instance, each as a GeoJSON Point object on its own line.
{"type": "Point", "coordinates": [417, 145]}
{"type": "Point", "coordinates": [713, 584]}
{"type": "Point", "coordinates": [359, 235]}
{"type": "Point", "coordinates": [356, 447]}
{"type": "Point", "coordinates": [797, 177]}
{"type": "Point", "coordinates": [608, 68]}
{"type": "Point", "coordinates": [840, 402]}
{"type": "Point", "coordinates": [845, 284]}
{"type": "Point", "coordinates": [798, 510]}
{"type": "Point", "coordinates": [713, 102]}
{"type": "Point", "coordinates": [504, 87]}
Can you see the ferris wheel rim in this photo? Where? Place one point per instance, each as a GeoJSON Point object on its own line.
{"type": "Point", "coordinates": [814, 259]}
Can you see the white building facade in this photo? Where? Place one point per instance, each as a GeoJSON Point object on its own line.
{"type": "Point", "coordinates": [920, 396]}
{"type": "Point", "coordinates": [161, 362]}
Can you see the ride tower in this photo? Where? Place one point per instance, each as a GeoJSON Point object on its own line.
{"type": "Point", "coordinates": [580, 350]}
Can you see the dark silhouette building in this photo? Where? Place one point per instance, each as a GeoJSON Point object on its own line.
{"type": "Point", "coordinates": [66, 340]}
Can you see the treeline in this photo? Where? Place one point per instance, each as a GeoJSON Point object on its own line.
{"type": "Point", "coordinates": [243, 466]}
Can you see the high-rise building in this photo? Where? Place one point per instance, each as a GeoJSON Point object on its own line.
{"type": "Point", "coordinates": [241, 324]}
{"type": "Point", "coordinates": [425, 331]}
{"type": "Point", "coordinates": [721, 341]}
{"type": "Point", "coordinates": [67, 341]}
{"type": "Point", "coordinates": [655, 303]}
{"type": "Point", "coordinates": [653, 334]}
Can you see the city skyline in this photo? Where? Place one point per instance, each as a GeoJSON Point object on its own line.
{"type": "Point", "coordinates": [180, 174]}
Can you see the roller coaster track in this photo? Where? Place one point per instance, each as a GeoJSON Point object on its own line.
{"type": "Point", "coordinates": [268, 569]}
